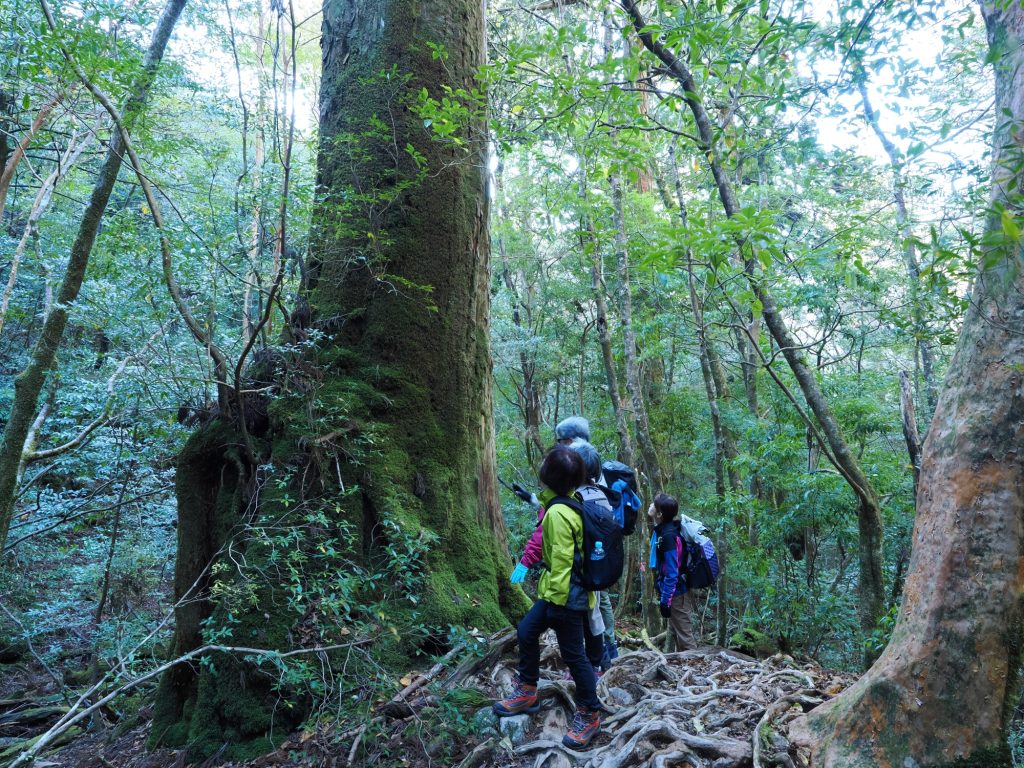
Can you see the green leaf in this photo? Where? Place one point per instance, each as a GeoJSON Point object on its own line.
{"type": "Point", "coordinates": [1010, 226]}
{"type": "Point", "coordinates": [26, 101]}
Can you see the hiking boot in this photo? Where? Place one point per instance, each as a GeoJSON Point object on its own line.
{"type": "Point", "coordinates": [585, 725]}
{"type": "Point", "coordinates": [522, 701]}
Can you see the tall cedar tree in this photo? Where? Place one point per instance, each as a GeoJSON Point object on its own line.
{"type": "Point", "coordinates": [946, 685]}
{"type": "Point", "coordinates": [399, 361]}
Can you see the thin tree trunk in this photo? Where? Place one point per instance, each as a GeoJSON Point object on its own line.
{"type": "Point", "coordinates": [627, 453]}
{"type": "Point", "coordinates": [648, 455]}
{"type": "Point", "coordinates": [7, 175]}
{"type": "Point", "coordinates": [254, 245]}
{"type": "Point", "coordinates": [716, 390]}
{"type": "Point", "coordinates": [871, 588]}
{"type": "Point", "coordinates": [39, 206]}
{"type": "Point", "coordinates": [910, 434]}
{"type": "Point", "coordinates": [923, 349]}
{"type": "Point", "coordinates": [635, 556]}
{"type": "Point", "coordinates": [101, 604]}
{"type": "Point", "coordinates": [29, 383]}
{"type": "Point", "coordinates": [529, 397]}
{"type": "Point", "coordinates": [644, 440]}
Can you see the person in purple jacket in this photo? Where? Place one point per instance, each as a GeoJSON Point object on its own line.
{"type": "Point", "coordinates": [668, 564]}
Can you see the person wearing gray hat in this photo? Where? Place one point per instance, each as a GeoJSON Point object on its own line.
{"type": "Point", "coordinates": [571, 428]}
{"type": "Point", "coordinates": [602, 649]}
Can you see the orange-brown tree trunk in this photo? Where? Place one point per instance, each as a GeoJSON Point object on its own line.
{"type": "Point", "coordinates": [944, 688]}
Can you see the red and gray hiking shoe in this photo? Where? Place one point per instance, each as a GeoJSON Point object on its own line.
{"type": "Point", "coordinates": [522, 701]}
{"type": "Point", "coordinates": [585, 725]}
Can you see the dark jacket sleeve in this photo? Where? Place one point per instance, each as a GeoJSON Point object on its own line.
{"type": "Point", "coordinates": [669, 570]}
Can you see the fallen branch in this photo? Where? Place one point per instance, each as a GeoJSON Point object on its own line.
{"type": "Point", "coordinates": [74, 715]}
{"type": "Point", "coordinates": [398, 707]}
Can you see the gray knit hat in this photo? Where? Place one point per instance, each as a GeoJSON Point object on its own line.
{"type": "Point", "coordinates": [574, 426]}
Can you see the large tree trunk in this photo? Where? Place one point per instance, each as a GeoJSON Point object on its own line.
{"type": "Point", "coordinates": [945, 686]}
{"type": "Point", "coordinates": [30, 381]}
{"type": "Point", "coordinates": [387, 434]}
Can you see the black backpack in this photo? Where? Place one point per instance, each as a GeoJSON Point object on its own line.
{"type": "Point", "coordinates": [599, 528]}
{"type": "Point", "coordinates": [622, 495]}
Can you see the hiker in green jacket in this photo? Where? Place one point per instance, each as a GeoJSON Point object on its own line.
{"type": "Point", "coordinates": [561, 605]}
{"type": "Point", "coordinates": [570, 431]}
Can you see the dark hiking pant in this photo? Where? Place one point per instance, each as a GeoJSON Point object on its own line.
{"type": "Point", "coordinates": [569, 627]}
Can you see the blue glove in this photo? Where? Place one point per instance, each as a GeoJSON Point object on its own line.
{"type": "Point", "coordinates": [519, 574]}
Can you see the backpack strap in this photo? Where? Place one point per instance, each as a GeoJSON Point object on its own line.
{"type": "Point", "coordinates": [567, 501]}
{"type": "Point", "coordinates": [577, 506]}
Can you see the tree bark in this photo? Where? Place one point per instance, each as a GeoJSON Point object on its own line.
{"type": "Point", "coordinates": [400, 293]}
{"type": "Point", "coordinates": [947, 683]}
{"type": "Point", "coordinates": [30, 381]}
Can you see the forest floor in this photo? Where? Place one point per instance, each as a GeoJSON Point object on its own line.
{"type": "Point", "coordinates": [708, 708]}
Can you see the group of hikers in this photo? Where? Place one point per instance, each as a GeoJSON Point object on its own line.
{"type": "Point", "coordinates": [574, 492]}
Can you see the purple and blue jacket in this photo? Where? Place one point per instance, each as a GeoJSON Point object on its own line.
{"type": "Point", "coordinates": [668, 560]}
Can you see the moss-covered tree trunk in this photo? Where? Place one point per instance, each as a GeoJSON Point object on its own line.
{"type": "Point", "coordinates": [401, 271]}
{"type": "Point", "coordinates": [372, 514]}
{"type": "Point", "coordinates": [944, 688]}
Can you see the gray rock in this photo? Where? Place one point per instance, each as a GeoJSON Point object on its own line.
{"type": "Point", "coordinates": [485, 722]}
{"type": "Point", "coordinates": [621, 697]}
{"type": "Point", "coordinates": [515, 728]}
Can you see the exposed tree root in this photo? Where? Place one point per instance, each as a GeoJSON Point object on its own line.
{"type": "Point", "coordinates": [709, 708]}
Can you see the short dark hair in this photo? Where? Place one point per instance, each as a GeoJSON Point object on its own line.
{"type": "Point", "coordinates": [562, 470]}
{"type": "Point", "coordinates": [667, 506]}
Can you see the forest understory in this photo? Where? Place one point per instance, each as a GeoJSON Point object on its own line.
{"type": "Point", "coordinates": [706, 708]}
{"type": "Point", "coordinates": [286, 318]}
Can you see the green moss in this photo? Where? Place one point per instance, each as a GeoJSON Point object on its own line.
{"type": "Point", "coordinates": [410, 481]}
{"type": "Point", "coordinates": [995, 757]}
{"type": "Point", "coordinates": [1015, 655]}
